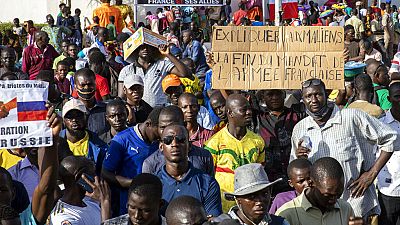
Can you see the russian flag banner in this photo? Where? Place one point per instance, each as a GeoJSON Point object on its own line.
{"type": "Point", "coordinates": [289, 8]}
{"type": "Point", "coordinates": [23, 114]}
{"type": "Point", "coordinates": [31, 111]}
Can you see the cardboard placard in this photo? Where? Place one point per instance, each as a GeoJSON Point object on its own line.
{"type": "Point", "coordinates": [23, 114]}
{"type": "Point", "coordinates": [266, 57]}
{"type": "Point", "coordinates": [141, 36]}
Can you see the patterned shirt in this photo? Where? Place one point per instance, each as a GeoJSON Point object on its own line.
{"type": "Point", "coordinates": [201, 136]}
{"type": "Point", "coordinates": [350, 137]}
{"type": "Point", "coordinates": [56, 35]}
{"type": "Point", "coordinates": [229, 153]}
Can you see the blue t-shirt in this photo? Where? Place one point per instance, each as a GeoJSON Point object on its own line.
{"type": "Point", "coordinates": [27, 217]}
{"type": "Point", "coordinates": [125, 157]}
{"type": "Point", "coordinates": [195, 183]}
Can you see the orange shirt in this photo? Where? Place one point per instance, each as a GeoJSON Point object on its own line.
{"type": "Point", "coordinates": [104, 12]}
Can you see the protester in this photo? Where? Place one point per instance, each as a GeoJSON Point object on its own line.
{"type": "Point", "coordinates": [8, 58]}
{"type": "Point", "coordinates": [128, 149]}
{"type": "Point", "coordinates": [299, 178]}
{"type": "Point", "coordinates": [252, 195]}
{"type": "Point", "coordinates": [104, 11]}
{"type": "Point", "coordinates": [185, 209]}
{"type": "Point", "coordinates": [116, 115]}
{"type": "Point", "coordinates": [198, 157]}
{"type": "Point", "coordinates": [381, 80]}
{"type": "Point", "coordinates": [178, 175]}
{"type": "Point", "coordinates": [55, 33]}
{"type": "Point", "coordinates": [327, 128]}
{"type": "Point", "coordinates": [144, 202]}
{"type": "Point", "coordinates": [388, 194]}
{"type": "Point", "coordinates": [234, 145]}
{"type": "Point", "coordinates": [320, 203]}
{"type": "Point", "coordinates": [194, 50]}
{"type": "Point", "coordinates": [63, 54]}
{"type": "Point", "coordinates": [38, 56]}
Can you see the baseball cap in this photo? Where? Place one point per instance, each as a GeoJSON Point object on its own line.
{"type": "Point", "coordinates": [132, 80]}
{"type": "Point", "coordinates": [73, 104]}
{"type": "Point", "coordinates": [170, 80]}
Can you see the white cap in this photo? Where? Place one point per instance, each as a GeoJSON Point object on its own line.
{"type": "Point", "coordinates": [73, 104]}
{"type": "Point", "coordinates": [132, 80]}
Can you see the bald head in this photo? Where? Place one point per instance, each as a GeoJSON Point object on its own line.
{"type": "Point", "coordinates": [185, 210]}
{"type": "Point", "coordinates": [235, 100]}
{"type": "Point", "coordinates": [40, 34]}
{"type": "Point", "coordinates": [239, 111]}
{"type": "Point", "coordinates": [372, 65]}
{"type": "Point", "coordinates": [73, 166]}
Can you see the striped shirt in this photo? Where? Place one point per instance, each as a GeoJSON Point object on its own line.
{"type": "Point", "coordinates": [349, 136]}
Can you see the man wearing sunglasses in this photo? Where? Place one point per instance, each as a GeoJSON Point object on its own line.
{"type": "Point", "coordinates": [351, 137]}
{"type": "Point", "coordinates": [178, 175]}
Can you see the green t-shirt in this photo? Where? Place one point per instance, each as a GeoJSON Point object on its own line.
{"type": "Point", "coordinates": [112, 31]}
{"type": "Point", "coordinates": [383, 95]}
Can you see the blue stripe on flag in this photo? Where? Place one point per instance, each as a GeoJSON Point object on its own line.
{"type": "Point", "coordinates": [31, 106]}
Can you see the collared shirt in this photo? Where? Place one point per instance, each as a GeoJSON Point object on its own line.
{"type": "Point", "coordinates": [280, 199]}
{"type": "Point", "coordinates": [55, 34]}
{"type": "Point", "coordinates": [96, 119]}
{"type": "Point", "coordinates": [265, 221]}
{"type": "Point", "coordinates": [194, 183]}
{"type": "Point", "coordinates": [375, 54]}
{"type": "Point", "coordinates": [201, 136]}
{"type": "Point", "coordinates": [104, 11]}
{"type": "Point", "coordinates": [229, 153]}
{"type": "Point", "coordinates": [152, 78]}
{"type": "Point", "coordinates": [125, 157]}
{"type": "Point", "coordinates": [301, 211]}
{"type": "Point", "coordinates": [124, 220]}
{"type": "Point", "coordinates": [199, 157]}
{"type": "Point", "coordinates": [27, 174]}
{"type": "Point", "coordinates": [195, 51]}
{"type": "Point", "coordinates": [35, 60]}
{"type": "Point", "coordinates": [357, 24]}
{"type": "Point", "coordinates": [389, 176]}
{"type": "Point", "coordinates": [371, 109]}
{"type": "Point", "coordinates": [350, 137]}
{"type": "Point", "coordinates": [20, 74]}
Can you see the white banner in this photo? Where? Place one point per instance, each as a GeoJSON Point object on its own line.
{"type": "Point", "coordinates": [23, 114]}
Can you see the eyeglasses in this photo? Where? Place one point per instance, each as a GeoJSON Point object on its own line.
{"type": "Point", "coordinates": [313, 82]}
{"type": "Point", "coordinates": [178, 138]}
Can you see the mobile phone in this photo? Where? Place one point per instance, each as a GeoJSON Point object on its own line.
{"type": "Point", "coordinates": [81, 182]}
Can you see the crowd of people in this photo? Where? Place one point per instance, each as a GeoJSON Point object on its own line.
{"type": "Point", "coordinates": [151, 142]}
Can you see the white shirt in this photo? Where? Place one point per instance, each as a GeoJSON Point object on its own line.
{"type": "Point", "coordinates": [204, 118]}
{"type": "Point", "coordinates": [389, 176]}
{"type": "Point", "coordinates": [64, 213]}
{"type": "Point", "coordinates": [350, 136]}
{"type": "Point", "coordinates": [375, 54]}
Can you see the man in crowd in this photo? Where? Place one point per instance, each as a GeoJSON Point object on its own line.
{"type": "Point", "coordinates": [96, 63]}
{"type": "Point", "coordinates": [128, 149]}
{"type": "Point", "coordinates": [198, 157]}
{"type": "Point", "coordinates": [104, 11]}
{"type": "Point", "coordinates": [38, 56]}
{"type": "Point", "coordinates": [357, 24]}
{"type": "Point", "coordinates": [276, 124]}
{"type": "Point", "coordinates": [354, 135]}
{"type": "Point", "coordinates": [320, 204]}
{"type": "Point", "coordinates": [381, 80]}
{"type": "Point", "coordinates": [26, 171]}
{"type": "Point", "coordinates": [55, 33]}
{"type": "Point", "coordinates": [234, 145]}
{"type": "Point", "coordinates": [218, 103]}
{"type": "Point", "coordinates": [252, 195]}
{"type": "Point", "coordinates": [116, 115]}
{"type": "Point", "coordinates": [178, 175]}
{"type": "Point", "coordinates": [126, 10]}
{"type": "Point", "coordinates": [185, 210]}
{"type": "Point", "coordinates": [85, 86]}
{"type": "Point", "coordinates": [195, 51]}
{"type": "Point", "coordinates": [63, 50]}
{"type": "Point", "coordinates": [388, 31]}
{"type": "Point", "coordinates": [389, 178]}
{"type": "Point", "coordinates": [364, 93]}
{"type": "Point", "coordinates": [8, 58]}
{"type": "Point", "coordinates": [190, 108]}
{"type": "Point", "coordinates": [144, 202]}
{"type": "Point", "coordinates": [81, 142]}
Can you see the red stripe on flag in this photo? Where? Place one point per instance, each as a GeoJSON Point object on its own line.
{"type": "Point", "coordinates": [290, 10]}
{"type": "Point", "coordinates": [32, 115]}
{"type": "Point", "coordinates": [223, 170]}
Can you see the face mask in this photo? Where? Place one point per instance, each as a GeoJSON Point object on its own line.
{"type": "Point", "coordinates": [86, 94]}
{"type": "Point", "coordinates": [322, 112]}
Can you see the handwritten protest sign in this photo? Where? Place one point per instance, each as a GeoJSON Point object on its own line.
{"type": "Point", "coordinates": [23, 114]}
{"type": "Point", "coordinates": [269, 57]}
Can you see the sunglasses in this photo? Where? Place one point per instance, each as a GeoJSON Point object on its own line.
{"type": "Point", "coordinates": [313, 82]}
{"type": "Point", "coordinates": [180, 139]}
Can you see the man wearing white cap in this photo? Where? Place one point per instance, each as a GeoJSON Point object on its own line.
{"type": "Point", "coordinates": [133, 89]}
{"type": "Point", "coordinates": [252, 195]}
{"type": "Point", "coordinates": [81, 141]}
